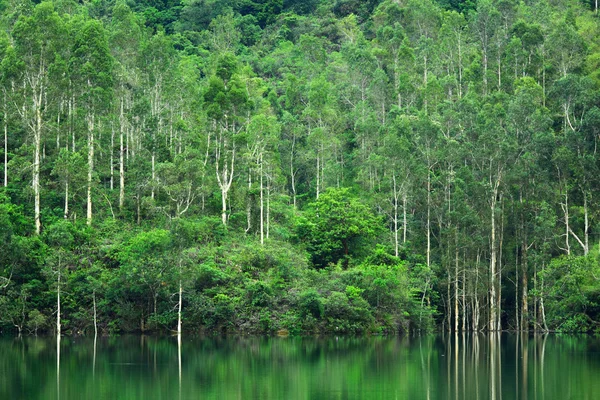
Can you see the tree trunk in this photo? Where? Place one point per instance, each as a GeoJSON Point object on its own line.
{"type": "Point", "coordinates": [535, 300]}
{"type": "Point", "coordinates": [121, 159]}
{"type": "Point", "coordinates": [565, 207]}
{"type": "Point", "coordinates": [499, 269]}
{"type": "Point", "coordinates": [153, 169]}
{"type": "Point", "coordinates": [95, 314]}
{"type": "Point", "coordinates": [404, 220]}
{"type": "Point", "coordinates": [429, 217]}
{"type": "Point", "coordinates": [71, 122]}
{"type": "Point", "coordinates": [493, 323]}
{"type": "Point", "coordinates": [58, 325]}
{"type": "Point", "coordinates": [224, 205]}
{"type": "Point", "coordinates": [464, 300]}
{"type": "Point", "coordinates": [460, 65]}
{"type": "Point", "coordinates": [180, 301]}
{"type": "Point", "coordinates": [396, 244]}
{"type": "Point", "coordinates": [524, 286]}
{"type": "Point", "coordinates": [91, 123]}
{"type": "Point", "coordinates": [292, 173]}
{"type": "Point", "coordinates": [224, 176]}
{"type": "Point", "coordinates": [456, 315]}
{"type": "Point", "coordinates": [586, 247]}
{"type": "Point", "coordinates": [66, 214]}
{"type": "Point", "coordinates": [37, 140]}
{"type": "Point", "coordinates": [268, 207]}
{"type": "Point", "coordinates": [492, 293]}
{"type": "Point", "coordinates": [517, 290]}
{"type": "Point", "coordinates": [262, 204]}
{"type": "Point", "coordinates": [249, 202]}
{"type": "Point", "coordinates": [476, 309]}
{"type": "Point", "coordinates": [524, 273]}
{"type": "Point", "coordinates": [318, 176]}
{"type": "Point", "coordinates": [112, 163]}
{"type": "Point", "coordinates": [448, 300]}
{"type": "Point", "coordinates": [542, 309]}
{"type": "Point", "coordinates": [5, 142]}
{"type": "Point", "coordinates": [485, 68]}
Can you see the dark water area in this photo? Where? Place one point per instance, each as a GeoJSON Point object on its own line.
{"type": "Point", "coordinates": [429, 367]}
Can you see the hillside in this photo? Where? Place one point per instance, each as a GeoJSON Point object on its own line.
{"type": "Point", "coordinates": [299, 166]}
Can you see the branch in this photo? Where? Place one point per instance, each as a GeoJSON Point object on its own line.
{"type": "Point", "coordinates": [6, 280]}
{"type": "Point", "coordinates": [109, 205]}
{"type": "Point", "coordinates": [577, 237]}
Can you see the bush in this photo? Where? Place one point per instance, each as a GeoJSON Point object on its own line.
{"type": "Point", "coordinates": [311, 304]}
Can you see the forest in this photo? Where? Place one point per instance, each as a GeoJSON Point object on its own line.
{"type": "Point", "coordinates": [299, 167]}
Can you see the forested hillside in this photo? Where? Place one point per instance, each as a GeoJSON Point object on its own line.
{"type": "Point", "coordinates": [299, 166]}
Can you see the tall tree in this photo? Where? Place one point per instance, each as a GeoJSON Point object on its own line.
{"type": "Point", "coordinates": [92, 66]}
{"type": "Point", "coordinates": [39, 38]}
{"type": "Point", "coordinates": [227, 106]}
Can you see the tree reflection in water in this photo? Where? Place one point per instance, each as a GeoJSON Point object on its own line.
{"type": "Point", "coordinates": [455, 366]}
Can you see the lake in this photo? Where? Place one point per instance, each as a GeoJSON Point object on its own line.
{"type": "Point", "coordinates": [498, 366]}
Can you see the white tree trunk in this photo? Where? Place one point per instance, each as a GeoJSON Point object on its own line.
{"type": "Point", "coordinates": [153, 168]}
{"type": "Point", "coordinates": [66, 214]}
{"type": "Point", "coordinates": [58, 325]}
{"type": "Point", "coordinates": [292, 173]}
{"type": "Point", "coordinates": [565, 207]}
{"type": "Point", "coordinates": [121, 160]}
{"type": "Point", "coordinates": [396, 244]}
{"type": "Point", "coordinates": [95, 315]}
{"type": "Point", "coordinates": [404, 220]}
{"type": "Point", "coordinates": [224, 176]}
{"type": "Point", "coordinates": [262, 204]}
{"type": "Point", "coordinates": [429, 217]}
{"type": "Point", "coordinates": [37, 141]}
{"type": "Point", "coordinates": [179, 305]}
{"type": "Point", "coordinates": [493, 270]}
{"type": "Point", "coordinates": [224, 205]}
{"type": "Point", "coordinates": [586, 247]}
{"type": "Point", "coordinates": [318, 176]}
{"type": "Point", "coordinates": [268, 208]}
{"type": "Point", "coordinates": [456, 314]}
{"type": "Point", "coordinates": [112, 161]}
{"type": "Point", "coordinates": [90, 166]}
{"type": "Point", "coordinates": [5, 143]}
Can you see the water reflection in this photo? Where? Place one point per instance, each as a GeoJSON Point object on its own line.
{"type": "Point", "coordinates": [58, 367]}
{"type": "Point", "coordinates": [179, 360]}
{"type": "Point", "coordinates": [457, 366]}
{"type": "Point", "coordinates": [518, 367]}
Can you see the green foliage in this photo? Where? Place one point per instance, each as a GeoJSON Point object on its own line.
{"type": "Point", "coordinates": [411, 152]}
{"type": "Point", "coordinates": [310, 303]}
{"type": "Point", "coordinates": [336, 226]}
{"type": "Point", "coordinates": [36, 321]}
{"type": "Point", "coordinates": [571, 292]}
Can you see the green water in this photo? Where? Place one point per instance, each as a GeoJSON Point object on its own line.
{"type": "Point", "coordinates": [437, 367]}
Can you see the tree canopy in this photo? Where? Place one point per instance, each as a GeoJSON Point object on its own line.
{"type": "Point", "coordinates": [300, 166]}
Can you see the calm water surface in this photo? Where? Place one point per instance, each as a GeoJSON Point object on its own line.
{"type": "Point", "coordinates": [437, 367]}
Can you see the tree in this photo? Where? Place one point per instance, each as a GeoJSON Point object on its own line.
{"type": "Point", "coordinates": [336, 227]}
{"type": "Point", "coordinates": [69, 169]}
{"type": "Point", "coordinates": [571, 291]}
{"type": "Point", "coordinates": [125, 36]}
{"type": "Point", "coordinates": [91, 68]}
{"type": "Point", "coordinates": [484, 24]}
{"type": "Point", "coordinates": [38, 41]}
{"type": "Point", "coordinates": [145, 266]}
{"type": "Point", "coordinates": [61, 240]}
{"type": "Point", "coordinates": [227, 106]}
{"type": "Point", "coordinates": [180, 181]}
{"type": "Point", "coordinates": [263, 131]}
